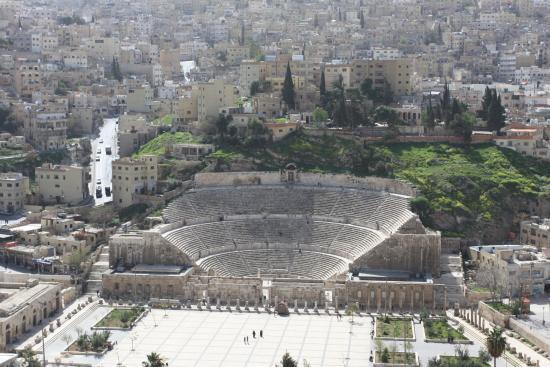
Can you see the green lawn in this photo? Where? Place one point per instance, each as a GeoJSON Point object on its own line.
{"type": "Point", "coordinates": [452, 361]}
{"type": "Point", "coordinates": [164, 120]}
{"type": "Point", "coordinates": [158, 145]}
{"type": "Point", "coordinates": [393, 328]}
{"type": "Point", "coordinates": [440, 329]}
{"type": "Point", "coordinates": [120, 318]}
{"type": "Point", "coordinates": [397, 357]}
{"type": "Point", "coordinates": [501, 307]}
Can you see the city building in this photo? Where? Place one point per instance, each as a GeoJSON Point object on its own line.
{"type": "Point", "coordinates": [60, 184]}
{"type": "Point", "coordinates": [14, 188]}
{"type": "Point", "coordinates": [133, 177]}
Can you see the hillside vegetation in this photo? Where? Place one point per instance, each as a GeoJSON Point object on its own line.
{"type": "Point", "coordinates": [158, 145]}
{"type": "Point", "coordinates": [475, 191]}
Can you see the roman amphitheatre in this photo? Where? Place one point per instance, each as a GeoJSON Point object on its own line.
{"type": "Point", "coordinates": [303, 239]}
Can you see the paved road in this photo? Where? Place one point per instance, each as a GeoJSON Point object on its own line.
{"type": "Point", "coordinates": [102, 169]}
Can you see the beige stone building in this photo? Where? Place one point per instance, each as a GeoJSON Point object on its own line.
{"type": "Point", "coordinates": [251, 71]}
{"type": "Point", "coordinates": [24, 306]}
{"type": "Point", "coordinates": [62, 184]}
{"type": "Point", "coordinates": [133, 176]}
{"type": "Point", "coordinates": [133, 131]}
{"type": "Point", "coordinates": [28, 78]}
{"type": "Point", "coordinates": [397, 73]}
{"type": "Point", "coordinates": [214, 95]}
{"type": "Point", "coordinates": [14, 188]}
{"type": "Point", "coordinates": [512, 269]}
{"type": "Point", "coordinates": [140, 99]}
{"type": "Point", "coordinates": [535, 232]}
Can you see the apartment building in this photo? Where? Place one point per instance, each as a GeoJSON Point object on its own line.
{"type": "Point", "coordinates": [45, 129]}
{"type": "Point", "coordinates": [14, 188]}
{"type": "Point", "coordinates": [139, 99]}
{"type": "Point", "coordinates": [59, 184]}
{"type": "Point", "coordinates": [133, 131]}
{"type": "Point", "coordinates": [133, 176]}
{"type": "Point", "coordinates": [28, 78]}
{"type": "Point", "coordinates": [397, 73]}
{"type": "Point", "coordinates": [535, 232]}
{"type": "Point", "coordinates": [251, 71]}
{"type": "Point", "coordinates": [214, 95]}
{"type": "Point", "coordinates": [512, 269]}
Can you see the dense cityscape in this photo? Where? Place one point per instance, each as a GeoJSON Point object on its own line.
{"type": "Point", "coordinates": [274, 183]}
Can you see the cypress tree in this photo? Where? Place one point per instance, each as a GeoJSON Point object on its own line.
{"type": "Point", "coordinates": [322, 85]}
{"type": "Point", "coordinates": [362, 19]}
{"type": "Point", "coordinates": [485, 102]}
{"type": "Point", "coordinates": [288, 88]}
{"type": "Point", "coordinates": [496, 117]}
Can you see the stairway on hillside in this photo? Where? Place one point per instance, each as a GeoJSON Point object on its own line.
{"type": "Point", "coordinates": [93, 284]}
{"type": "Point", "coordinates": [452, 279]}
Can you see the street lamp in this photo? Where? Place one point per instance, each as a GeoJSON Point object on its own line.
{"type": "Point", "coordinates": [43, 338]}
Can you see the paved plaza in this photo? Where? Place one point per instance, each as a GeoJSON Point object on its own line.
{"type": "Point", "coordinates": [215, 338]}
{"type": "Point", "coordinates": [193, 338]}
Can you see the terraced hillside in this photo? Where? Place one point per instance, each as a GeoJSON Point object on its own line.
{"type": "Point", "coordinates": [475, 191]}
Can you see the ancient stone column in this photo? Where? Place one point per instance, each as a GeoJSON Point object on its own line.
{"type": "Point", "coordinates": [218, 306]}
{"type": "Point", "coordinates": [295, 305]}
{"type": "Point", "coordinates": [246, 306]}
{"type": "Point", "coordinates": [305, 306]}
{"type": "Point", "coordinates": [315, 309]}
{"type": "Point", "coordinates": [238, 308]}
{"type": "Point", "coordinates": [336, 304]}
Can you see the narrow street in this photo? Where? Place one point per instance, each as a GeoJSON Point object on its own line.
{"type": "Point", "coordinates": [101, 170]}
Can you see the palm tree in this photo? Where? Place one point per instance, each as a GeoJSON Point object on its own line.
{"type": "Point", "coordinates": [154, 360]}
{"type": "Point", "coordinates": [496, 343]}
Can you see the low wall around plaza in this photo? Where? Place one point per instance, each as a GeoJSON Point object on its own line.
{"type": "Point", "coordinates": [492, 315]}
{"type": "Point", "coordinates": [534, 335]}
{"type": "Point", "coordinates": [213, 179]}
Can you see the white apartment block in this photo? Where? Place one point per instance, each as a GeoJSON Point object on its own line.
{"type": "Point", "coordinates": [14, 188]}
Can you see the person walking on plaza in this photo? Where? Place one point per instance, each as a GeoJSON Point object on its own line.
{"type": "Point", "coordinates": [261, 333]}
{"type": "Point", "coordinates": [254, 334]}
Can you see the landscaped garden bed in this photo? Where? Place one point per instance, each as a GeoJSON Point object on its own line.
{"type": "Point", "coordinates": [394, 358]}
{"type": "Point", "coordinates": [439, 331]}
{"type": "Point", "coordinates": [95, 343]}
{"type": "Point", "coordinates": [394, 328]}
{"type": "Point", "coordinates": [453, 361]}
{"type": "Point", "coordinates": [501, 307]}
{"type": "Point", "coordinates": [120, 318]}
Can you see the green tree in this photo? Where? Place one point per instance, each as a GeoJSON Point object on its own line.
{"type": "Point", "coordinates": [362, 19]}
{"type": "Point", "coordinates": [115, 70]}
{"type": "Point", "coordinates": [385, 357]}
{"type": "Point", "coordinates": [320, 115]}
{"type": "Point", "coordinates": [496, 344]}
{"type": "Point", "coordinates": [322, 85]}
{"type": "Point", "coordinates": [421, 206]}
{"type": "Point", "coordinates": [485, 103]}
{"type": "Point", "coordinates": [288, 89]}
{"type": "Point", "coordinates": [351, 309]}
{"type": "Point", "coordinates": [29, 356]}
{"type": "Point", "coordinates": [222, 124]}
{"type": "Point", "coordinates": [428, 117]}
{"type": "Point", "coordinates": [154, 360]}
{"type": "Point", "coordinates": [7, 122]}
{"type": "Point", "coordinates": [254, 87]}
{"type": "Point", "coordinates": [496, 117]}
{"type": "Point", "coordinates": [288, 361]}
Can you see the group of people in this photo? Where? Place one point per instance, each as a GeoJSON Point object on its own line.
{"type": "Point", "coordinates": [245, 339]}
